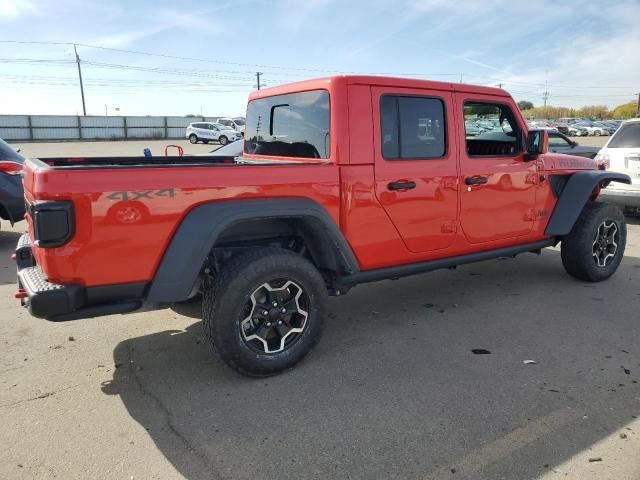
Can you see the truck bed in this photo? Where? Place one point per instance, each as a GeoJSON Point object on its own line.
{"type": "Point", "coordinates": [125, 210]}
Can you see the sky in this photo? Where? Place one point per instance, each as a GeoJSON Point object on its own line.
{"type": "Point", "coordinates": [206, 53]}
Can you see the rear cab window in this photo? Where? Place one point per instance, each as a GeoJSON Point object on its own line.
{"type": "Point", "coordinates": [293, 125]}
{"type": "Point", "coordinates": [628, 136]}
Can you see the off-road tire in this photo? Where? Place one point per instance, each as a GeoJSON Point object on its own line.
{"type": "Point", "coordinates": [224, 301]}
{"type": "Point", "coordinates": [193, 138]}
{"type": "Point", "coordinates": [577, 247]}
{"type": "Point", "coordinates": [223, 140]}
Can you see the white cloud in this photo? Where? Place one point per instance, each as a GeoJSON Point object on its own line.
{"type": "Point", "coordinates": [160, 21]}
{"type": "Point", "coordinates": [15, 8]}
{"type": "Point", "coordinates": [296, 14]}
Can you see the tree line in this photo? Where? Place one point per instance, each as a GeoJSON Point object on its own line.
{"type": "Point", "coordinates": [601, 112]}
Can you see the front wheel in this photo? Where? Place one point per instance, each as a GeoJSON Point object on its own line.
{"type": "Point", "coordinates": [264, 310]}
{"type": "Point", "coordinates": [223, 140]}
{"type": "Point", "coordinates": [595, 246]}
{"type": "Point", "coordinates": [597, 133]}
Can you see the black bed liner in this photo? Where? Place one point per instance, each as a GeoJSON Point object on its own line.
{"type": "Point", "coordinates": [87, 163]}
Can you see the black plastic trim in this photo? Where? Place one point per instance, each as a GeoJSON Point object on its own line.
{"type": "Point", "coordinates": [98, 311]}
{"type": "Point", "coordinates": [574, 197]}
{"type": "Point", "coordinates": [557, 183]}
{"type": "Point", "coordinates": [431, 265]}
{"type": "Point", "coordinates": [198, 232]}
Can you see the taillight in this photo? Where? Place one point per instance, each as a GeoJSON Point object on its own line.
{"type": "Point", "coordinates": [10, 168]}
{"type": "Point", "coordinates": [53, 223]}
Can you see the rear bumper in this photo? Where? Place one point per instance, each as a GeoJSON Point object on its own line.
{"type": "Point", "coordinates": [57, 303]}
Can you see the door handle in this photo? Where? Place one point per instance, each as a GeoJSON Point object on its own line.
{"type": "Point", "coordinates": [408, 185]}
{"type": "Point", "coordinates": [475, 180]}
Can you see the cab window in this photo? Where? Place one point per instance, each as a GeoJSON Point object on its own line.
{"type": "Point", "coordinates": [290, 125]}
{"type": "Point", "coordinates": [491, 130]}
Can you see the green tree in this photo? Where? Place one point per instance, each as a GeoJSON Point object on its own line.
{"type": "Point", "coordinates": [525, 105]}
{"type": "Point", "coordinates": [627, 110]}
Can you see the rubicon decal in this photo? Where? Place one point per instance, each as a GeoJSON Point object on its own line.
{"type": "Point", "coordinates": [137, 195]}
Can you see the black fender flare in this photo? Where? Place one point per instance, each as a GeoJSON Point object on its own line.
{"type": "Point", "coordinates": [574, 197]}
{"type": "Point", "coordinates": [197, 234]}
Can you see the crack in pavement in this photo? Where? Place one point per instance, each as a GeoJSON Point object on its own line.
{"type": "Point", "coordinates": [39, 397]}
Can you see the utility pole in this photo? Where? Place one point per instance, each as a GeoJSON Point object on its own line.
{"type": "Point", "coordinates": [638, 106]}
{"type": "Point", "coordinates": [258, 79]}
{"type": "Point", "coordinates": [499, 85]}
{"type": "Point", "coordinates": [545, 96]}
{"type": "Point", "coordinates": [84, 109]}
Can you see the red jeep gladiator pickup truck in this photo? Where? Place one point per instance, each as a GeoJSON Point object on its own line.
{"type": "Point", "coordinates": [343, 180]}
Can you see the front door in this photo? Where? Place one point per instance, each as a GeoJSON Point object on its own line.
{"type": "Point", "coordinates": [498, 186]}
{"type": "Point", "coordinates": [416, 165]}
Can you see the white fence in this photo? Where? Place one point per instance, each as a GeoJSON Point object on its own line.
{"type": "Point", "coordinates": [72, 127]}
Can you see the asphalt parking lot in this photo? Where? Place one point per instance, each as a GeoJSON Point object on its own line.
{"type": "Point", "coordinates": [392, 391]}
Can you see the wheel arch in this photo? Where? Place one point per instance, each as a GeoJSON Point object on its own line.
{"type": "Point", "coordinates": [224, 223]}
{"type": "Point", "coordinates": [574, 196]}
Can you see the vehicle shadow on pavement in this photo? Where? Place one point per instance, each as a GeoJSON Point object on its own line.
{"type": "Point", "coordinates": [393, 389]}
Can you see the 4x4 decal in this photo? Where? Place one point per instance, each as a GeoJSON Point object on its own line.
{"type": "Point", "coordinates": [148, 194]}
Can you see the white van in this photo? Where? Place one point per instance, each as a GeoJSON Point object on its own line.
{"type": "Point", "coordinates": [236, 123]}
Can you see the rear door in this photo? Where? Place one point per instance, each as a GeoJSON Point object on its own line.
{"type": "Point", "coordinates": [498, 186]}
{"type": "Point", "coordinates": [416, 164]}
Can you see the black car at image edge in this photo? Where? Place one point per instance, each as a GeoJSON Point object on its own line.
{"type": "Point", "coordinates": [560, 143]}
{"type": "Point", "coordinates": [11, 191]}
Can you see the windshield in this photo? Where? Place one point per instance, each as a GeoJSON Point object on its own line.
{"type": "Point", "coordinates": [239, 121]}
{"type": "Point", "coordinates": [292, 125]}
{"type": "Point", "coordinates": [627, 136]}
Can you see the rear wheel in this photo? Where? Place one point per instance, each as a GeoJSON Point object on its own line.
{"type": "Point", "coordinates": [193, 138]}
{"type": "Point", "coordinates": [223, 140]}
{"type": "Point", "coordinates": [595, 246]}
{"type": "Point", "coordinates": [597, 133]}
{"type": "Point", "coordinates": [264, 310]}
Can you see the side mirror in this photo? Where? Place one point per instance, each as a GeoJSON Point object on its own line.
{"type": "Point", "coordinates": [537, 143]}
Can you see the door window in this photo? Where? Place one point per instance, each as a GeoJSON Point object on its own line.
{"type": "Point", "coordinates": [412, 127]}
{"type": "Point", "coordinates": [491, 130]}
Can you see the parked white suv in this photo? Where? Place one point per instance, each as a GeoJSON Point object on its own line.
{"type": "Point", "coordinates": [236, 123]}
{"type": "Point", "coordinates": [208, 131]}
{"type": "Point", "coordinates": [622, 153]}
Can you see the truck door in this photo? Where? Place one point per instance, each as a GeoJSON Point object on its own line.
{"type": "Point", "coordinates": [416, 164]}
{"type": "Point", "coordinates": [497, 186]}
